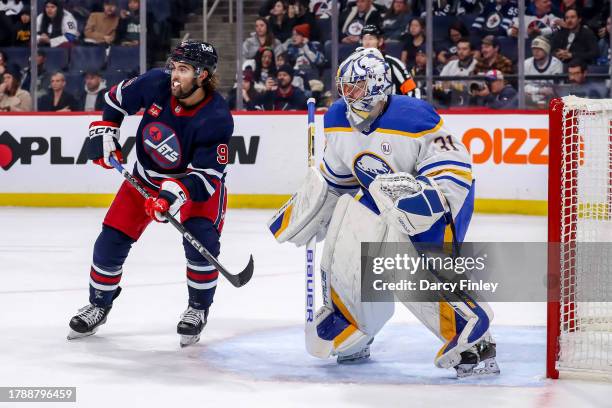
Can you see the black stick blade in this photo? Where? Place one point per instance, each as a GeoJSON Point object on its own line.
{"type": "Point", "coordinates": [243, 277]}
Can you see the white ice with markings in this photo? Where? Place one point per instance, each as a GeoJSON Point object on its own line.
{"type": "Point", "coordinates": [252, 352]}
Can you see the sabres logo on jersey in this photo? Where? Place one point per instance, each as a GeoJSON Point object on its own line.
{"type": "Point", "coordinates": [162, 145]}
{"type": "Point", "coordinates": [367, 166]}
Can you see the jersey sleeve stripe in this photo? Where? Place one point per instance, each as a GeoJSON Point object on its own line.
{"type": "Point", "coordinates": [466, 175]}
{"type": "Point", "coordinates": [210, 172]}
{"type": "Point", "coordinates": [454, 180]}
{"type": "Point", "coordinates": [444, 163]}
{"type": "Point", "coordinates": [112, 104]}
{"type": "Point", "coordinates": [409, 134]}
{"type": "Point", "coordinates": [338, 186]}
{"type": "Point", "coordinates": [339, 176]}
{"type": "Point", "coordinates": [119, 96]}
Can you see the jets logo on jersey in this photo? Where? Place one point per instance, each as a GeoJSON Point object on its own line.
{"type": "Point", "coordinates": [162, 145]}
{"type": "Point", "coordinates": [367, 166]}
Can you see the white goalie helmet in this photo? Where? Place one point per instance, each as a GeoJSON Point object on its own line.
{"type": "Point", "coordinates": [364, 82]}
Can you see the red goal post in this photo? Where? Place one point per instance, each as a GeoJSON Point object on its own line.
{"type": "Point", "coordinates": [579, 334]}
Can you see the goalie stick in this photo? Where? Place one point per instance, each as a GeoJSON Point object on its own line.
{"type": "Point", "coordinates": [237, 280]}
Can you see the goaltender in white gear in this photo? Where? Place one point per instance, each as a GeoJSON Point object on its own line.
{"type": "Point", "coordinates": [416, 185]}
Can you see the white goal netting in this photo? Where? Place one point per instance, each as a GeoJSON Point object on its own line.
{"type": "Point", "coordinates": [585, 342]}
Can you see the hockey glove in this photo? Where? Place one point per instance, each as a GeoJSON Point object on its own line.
{"type": "Point", "coordinates": [410, 204]}
{"type": "Point", "coordinates": [103, 141]}
{"type": "Point", "coordinates": [172, 195]}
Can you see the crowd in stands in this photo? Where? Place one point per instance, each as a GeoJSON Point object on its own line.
{"type": "Point", "coordinates": [568, 43]}
{"type": "Point", "coordinates": [84, 48]}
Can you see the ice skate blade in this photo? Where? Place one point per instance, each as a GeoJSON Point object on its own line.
{"type": "Point", "coordinates": [189, 340]}
{"type": "Point", "coordinates": [73, 335]}
{"type": "Point", "coordinates": [356, 358]}
{"type": "Point", "coordinates": [486, 367]}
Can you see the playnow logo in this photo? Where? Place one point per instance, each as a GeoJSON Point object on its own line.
{"type": "Point", "coordinates": [23, 149]}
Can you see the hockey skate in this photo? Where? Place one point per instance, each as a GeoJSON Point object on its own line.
{"type": "Point", "coordinates": [356, 358]}
{"type": "Point", "coordinates": [478, 360]}
{"type": "Point", "coordinates": [190, 326]}
{"type": "Point", "coordinates": [89, 319]}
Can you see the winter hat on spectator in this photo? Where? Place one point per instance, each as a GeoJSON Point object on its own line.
{"type": "Point", "coordinates": [287, 69]}
{"type": "Point", "coordinates": [247, 75]}
{"type": "Point", "coordinates": [542, 43]}
{"type": "Point", "coordinates": [303, 30]}
{"type": "Point", "coordinates": [494, 75]}
{"type": "Point", "coordinates": [491, 40]}
{"type": "Point", "coordinates": [14, 71]}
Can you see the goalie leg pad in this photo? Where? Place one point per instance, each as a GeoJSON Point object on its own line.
{"type": "Point", "coordinates": [351, 224]}
{"type": "Point", "coordinates": [307, 213]}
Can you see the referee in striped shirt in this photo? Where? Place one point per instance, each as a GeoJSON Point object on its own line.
{"type": "Point", "coordinates": [403, 84]}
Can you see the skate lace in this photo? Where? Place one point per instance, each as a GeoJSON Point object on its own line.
{"type": "Point", "coordinates": [91, 314]}
{"type": "Point", "coordinates": [193, 316]}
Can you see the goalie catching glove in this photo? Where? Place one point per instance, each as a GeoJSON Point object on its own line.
{"type": "Point", "coordinates": [307, 213]}
{"type": "Point", "coordinates": [103, 141]}
{"type": "Point", "coordinates": [172, 195]}
{"type": "Point", "coordinates": [412, 205]}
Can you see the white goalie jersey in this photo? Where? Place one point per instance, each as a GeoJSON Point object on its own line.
{"type": "Point", "coordinates": [408, 137]}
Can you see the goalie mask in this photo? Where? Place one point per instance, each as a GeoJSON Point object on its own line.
{"type": "Point", "coordinates": [364, 82]}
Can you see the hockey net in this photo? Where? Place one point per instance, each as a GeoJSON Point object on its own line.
{"type": "Point", "coordinates": [580, 220]}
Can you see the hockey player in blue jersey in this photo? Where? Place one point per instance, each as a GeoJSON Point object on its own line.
{"type": "Point", "coordinates": [416, 185]}
{"type": "Point", "coordinates": [182, 152]}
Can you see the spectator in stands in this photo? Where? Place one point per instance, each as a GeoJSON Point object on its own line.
{"type": "Point", "coordinates": [298, 11]}
{"type": "Point", "coordinates": [249, 94]}
{"type": "Point", "coordinates": [403, 84]}
{"type": "Point", "coordinates": [451, 7]}
{"type": "Point", "coordinates": [542, 63]}
{"type": "Point", "coordinates": [43, 81]}
{"type": "Point", "coordinates": [281, 59]}
{"type": "Point", "coordinates": [448, 50]}
{"type": "Point", "coordinates": [12, 8]}
{"type": "Point", "coordinates": [6, 31]}
{"type": "Point", "coordinates": [56, 27]}
{"type": "Point", "coordinates": [574, 41]}
{"type": "Point", "coordinates": [414, 41]}
{"type": "Point", "coordinates": [355, 18]}
{"type": "Point", "coordinates": [491, 59]}
{"type": "Point", "coordinates": [58, 100]}
{"type": "Point", "coordinates": [454, 92]}
{"type": "Point", "coordinates": [321, 8]}
{"type": "Point", "coordinates": [101, 28]}
{"type": "Point", "coordinates": [495, 19]}
{"type": "Point", "coordinates": [92, 96]}
{"type": "Point", "coordinates": [304, 54]}
{"type": "Point", "coordinates": [265, 67]}
{"type": "Point", "coordinates": [280, 23]}
{"type": "Point", "coordinates": [604, 43]}
{"type": "Point", "coordinates": [282, 95]}
{"type": "Point", "coordinates": [12, 97]}
{"type": "Point", "coordinates": [419, 69]}
{"type": "Point", "coordinates": [262, 37]}
{"type": "Point", "coordinates": [540, 22]}
{"type": "Point", "coordinates": [128, 29]}
{"type": "Point", "coordinates": [496, 93]}
{"type": "Point", "coordinates": [22, 29]}
{"type": "Point", "coordinates": [396, 20]}
{"type": "Point", "coordinates": [578, 84]}
{"type": "Point", "coordinates": [3, 62]}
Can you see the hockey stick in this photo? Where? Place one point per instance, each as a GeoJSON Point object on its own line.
{"type": "Point", "coordinates": [237, 280]}
{"type": "Point", "coordinates": [311, 245]}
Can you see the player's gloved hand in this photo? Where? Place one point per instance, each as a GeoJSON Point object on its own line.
{"type": "Point", "coordinates": [410, 204]}
{"type": "Point", "coordinates": [103, 141]}
{"type": "Point", "coordinates": [172, 195]}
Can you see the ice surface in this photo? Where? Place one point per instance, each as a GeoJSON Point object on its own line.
{"type": "Point", "coordinates": [252, 352]}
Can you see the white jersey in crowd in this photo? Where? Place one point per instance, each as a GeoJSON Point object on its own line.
{"type": "Point", "coordinates": [408, 137]}
{"type": "Point", "coordinates": [69, 29]}
{"type": "Point", "coordinates": [547, 23]}
{"type": "Point", "coordinates": [532, 88]}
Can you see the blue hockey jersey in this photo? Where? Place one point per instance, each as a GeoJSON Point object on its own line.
{"type": "Point", "coordinates": [173, 141]}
